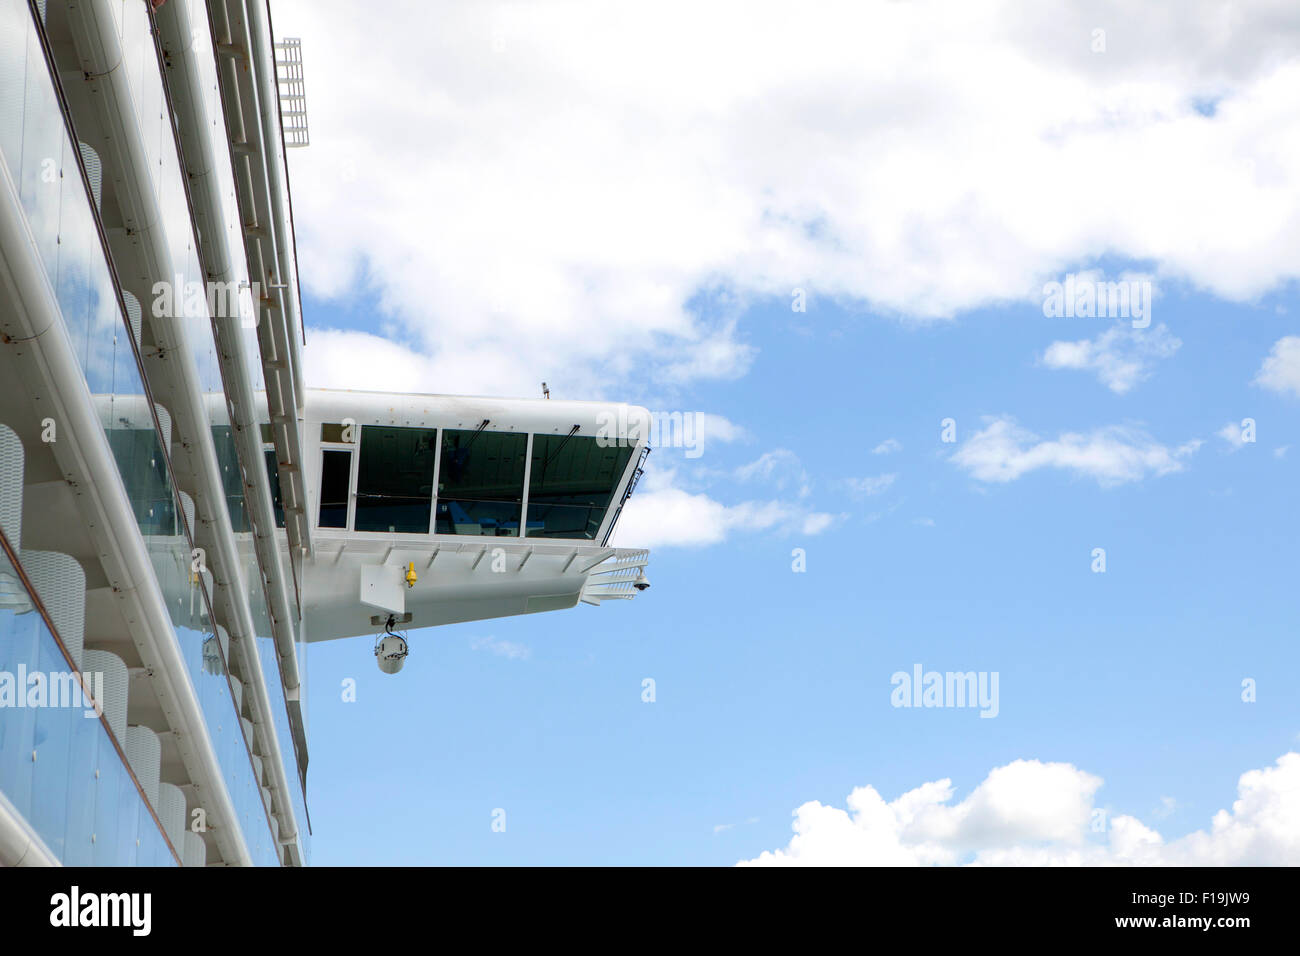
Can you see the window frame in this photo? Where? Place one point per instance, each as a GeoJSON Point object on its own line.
{"type": "Point", "coordinates": [356, 473]}
{"type": "Point", "coordinates": [616, 495]}
{"type": "Point", "coordinates": [437, 483]}
{"type": "Point", "coordinates": [351, 449]}
{"type": "Point", "coordinates": [282, 522]}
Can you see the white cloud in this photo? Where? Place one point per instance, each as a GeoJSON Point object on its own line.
{"type": "Point", "coordinates": [715, 428]}
{"type": "Point", "coordinates": [362, 360]}
{"type": "Point", "coordinates": [924, 522]}
{"type": "Point", "coordinates": [1280, 451]}
{"type": "Point", "coordinates": [1233, 434]}
{"type": "Point", "coordinates": [661, 514]}
{"type": "Point", "coordinates": [1003, 451]}
{"type": "Point", "coordinates": [1121, 356]}
{"type": "Point", "coordinates": [870, 484]}
{"type": "Point", "coordinates": [511, 650]}
{"type": "Point", "coordinates": [539, 192]}
{"type": "Point", "coordinates": [1281, 369]}
{"type": "Point", "coordinates": [690, 434]}
{"type": "Point", "coordinates": [779, 467]}
{"type": "Point", "coordinates": [1030, 813]}
{"type": "Point", "coordinates": [819, 521]}
{"type": "Point", "coordinates": [887, 447]}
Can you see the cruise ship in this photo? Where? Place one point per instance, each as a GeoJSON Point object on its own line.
{"type": "Point", "coordinates": [181, 513]}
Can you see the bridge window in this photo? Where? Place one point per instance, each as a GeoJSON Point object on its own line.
{"type": "Point", "coordinates": [395, 479]}
{"type": "Point", "coordinates": [335, 477]}
{"type": "Point", "coordinates": [571, 484]}
{"type": "Point", "coordinates": [139, 455]}
{"type": "Point", "coordinates": [232, 477]}
{"type": "Point", "coordinates": [481, 482]}
{"type": "Point", "coordinates": [273, 474]}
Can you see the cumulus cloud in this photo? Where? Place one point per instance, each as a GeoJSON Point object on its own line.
{"type": "Point", "coordinates": [1031, 813]}
{"type": "Point", "coordinates": [717, 429]}
{"type": "Point", "coordinates": [663, 514]}
{"type": "Point", "coordinates": [693, 434]}
{"type": "Point", "coordinates": [887, 447]}
{"type": "Point", "coordinates": [1120, 357]}
{"type": "Point", "coordinates": [1281, 369]}
{"type": "Point", "coordinates": [346, 358]}
{"type": "Point", "coordinates": [1004, 451]}
{"type": "Point", "coordinates": [1234, 434]}
{"type": "Point", "coordinates": [579, 191]}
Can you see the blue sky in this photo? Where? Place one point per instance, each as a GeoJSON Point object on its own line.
{"type": "Point", "coordinates": [773, 687]}
{"type": "Point", "coordinates": [621, 201]}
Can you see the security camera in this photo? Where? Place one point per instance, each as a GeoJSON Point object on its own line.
{"type": "Point", "coordinates": [641, 582]}
{"type": "Point", "coordinates": [390, 653]}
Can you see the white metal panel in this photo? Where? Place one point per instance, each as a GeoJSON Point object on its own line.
{"type": "Point", "coordinates": [382, 586]}
{"type": "Point", "coordinates": [60, 582]}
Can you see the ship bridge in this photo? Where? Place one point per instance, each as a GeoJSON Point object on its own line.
{"type": "Point", "coordinates": [437, 509]}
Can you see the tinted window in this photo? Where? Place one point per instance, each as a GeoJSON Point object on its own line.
{"type": "Point", "coordinates": [232, 478]}
{"type": "Point", "coordinates": [273, 475]}
{"type": "Point", "coordinates": [335, 475]}
{"type": "Point", "coordinates": [571, 484]}
{"type": "Point", "coordinates": [139, 455]}
{"type": "Point", "coordinates": [481, 482]}
{"type": "Point", "coordinates": [395, 479]}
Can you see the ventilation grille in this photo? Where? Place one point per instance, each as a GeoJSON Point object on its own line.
{"type": "Point", "coordinates": [116, 683]}
{"type": "Point", "coordinates": [144, 754]}
{"type": "Point", "coordinates": [61, 584]}
{"type": "Point", "coordinates": [133, 314]}
{"type": "Point", "coordinates": [195, 852]}
{"type": "Point", "coordinates": [11, 486]}
{"type": "Point", "coordinates": [171, 811]}
{"type": "Point", "coordinates": [94, 172]}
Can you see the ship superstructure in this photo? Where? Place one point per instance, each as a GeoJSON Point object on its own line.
{"type": "Point", "coordinates": [180, 513]}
